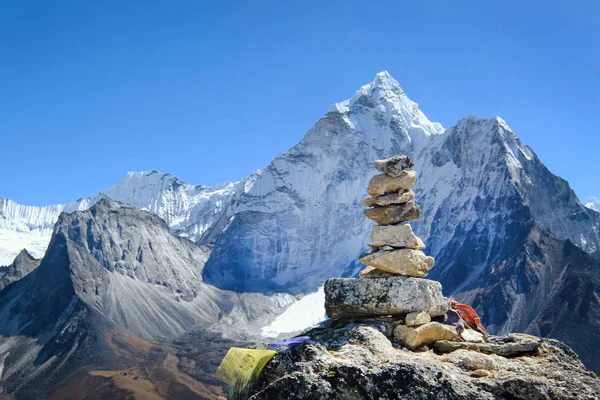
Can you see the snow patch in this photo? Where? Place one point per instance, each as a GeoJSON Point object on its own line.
{"type": "Point", "coordinates": [306, 312]}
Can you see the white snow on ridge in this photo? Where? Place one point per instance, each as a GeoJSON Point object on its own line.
{"type": "Point", "coordinates": [189, 210]}
{"type": "Point", "coordinates": [593, 204]}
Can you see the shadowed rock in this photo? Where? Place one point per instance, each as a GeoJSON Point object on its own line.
{"type": "Point", "coordinates": [394, 166]}
{"type": "Point", "coordinates": [387, 199]}
{"type": "Point", "coordinates": [518, 344]}
{"type": "Point", "coordinates": [394, 214]}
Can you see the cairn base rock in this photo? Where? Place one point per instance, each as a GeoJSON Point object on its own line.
{"type": "Point", "coordinates": [348, 298]}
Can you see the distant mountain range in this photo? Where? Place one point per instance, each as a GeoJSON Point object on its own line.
{"type": "Point", "coordinates": [508, 236]}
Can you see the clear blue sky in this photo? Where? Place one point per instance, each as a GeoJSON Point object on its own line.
{"type": "Point", "coordinates": [212, 90]}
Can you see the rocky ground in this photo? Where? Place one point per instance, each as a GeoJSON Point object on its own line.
{"type": "Point", "coordinates": [363, 360]}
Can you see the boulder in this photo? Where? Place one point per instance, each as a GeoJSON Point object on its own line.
{"type": "Point", "coordinates": [425, 334]}
{"type": "Point", "coordinates": [346, 297]}
{"type": "Point", "coordinates": [384, 184]}
{"type": "Point", "coordinates": [393, 166]}
{"type": "Point", "coordinates": [401, 236]}
{"type": "Point", "coordinates": [387, 199]}
{"type": "Point", "coordinates": [417, 318]}
{"type": "Point", "coordinates": [394, 214]}
{"type": "Point", "coordinates": [405, 262]}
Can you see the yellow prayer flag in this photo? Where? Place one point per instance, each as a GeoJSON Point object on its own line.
{"type": "Point", "coordinates": [242, 366]}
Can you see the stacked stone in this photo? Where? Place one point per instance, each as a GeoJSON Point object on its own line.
{"type": "Point", "coordinates": [392, 283]}
{"type": "Point", "coordinates": [395, 248]}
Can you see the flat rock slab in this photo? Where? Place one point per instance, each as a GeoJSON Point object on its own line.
{"type": "Point", "coordinates": [521, 344]}
{"type": "Point", "coordinates": [406, 262]}
{"type": "Point", "coordinates": [387, 199]}
{"type": "Point", "coordinates": [393, 166]}
{"type": "Point", "coordinates": [348, 298]}
{"type": "Point", "coordinates": [394, 214]}
{"type": "Point", "coordinates": [399, 236]}
{"type": "Point", "coordinates": [384, 184]}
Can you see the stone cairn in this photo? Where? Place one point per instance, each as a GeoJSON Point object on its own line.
{"type": "Point", "coordinates": [392, 284]}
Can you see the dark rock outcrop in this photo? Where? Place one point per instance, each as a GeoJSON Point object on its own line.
{"type": "Point", "coordinates": [23, 264]}
{"type": "Point", "coordinates": [361, 361]}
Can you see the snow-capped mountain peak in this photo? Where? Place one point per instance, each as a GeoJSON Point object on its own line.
{"type": "Point", "coordinates": [593, 204]}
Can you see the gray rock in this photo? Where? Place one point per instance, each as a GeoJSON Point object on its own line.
{"type": "Point", "coordinates": [521, 344]}
{"type": "Point", "coordinates": [405, 262]}
{"type": "Point", "coordinates": [345, 297]}
{"type": "Point", "coordinates": [393, 166]}
{"type": "Point", "coordinates": [358, 362]}
{"type": "Point", "coordinates": [400, 236]}
{"type": "Point", "coordinates": [23, 264]}
{"type": "Point", "coordinates": [417, 318]}
{"type": "Point", "coordinates": [394, 214]}
{"type": "Point", "coordinates": [387, 199]}
{"type": "Point", "coordinates": [384, 184]}
{"type": "Point", "coordinates": [423, 335]}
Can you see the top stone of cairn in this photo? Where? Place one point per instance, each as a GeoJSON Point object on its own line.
{"type": "Point", "coordinates": [394, 166]}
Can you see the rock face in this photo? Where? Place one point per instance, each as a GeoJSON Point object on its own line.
{"type": "Point", "coordinates": [357, 361]}
{"type": "Point", "coordinates": [346, 297]}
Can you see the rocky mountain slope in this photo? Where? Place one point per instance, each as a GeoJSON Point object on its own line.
{"type": "Point", "coordinates": [111, 271]}
{"type": "Point", "coordinates": [23, 264]}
